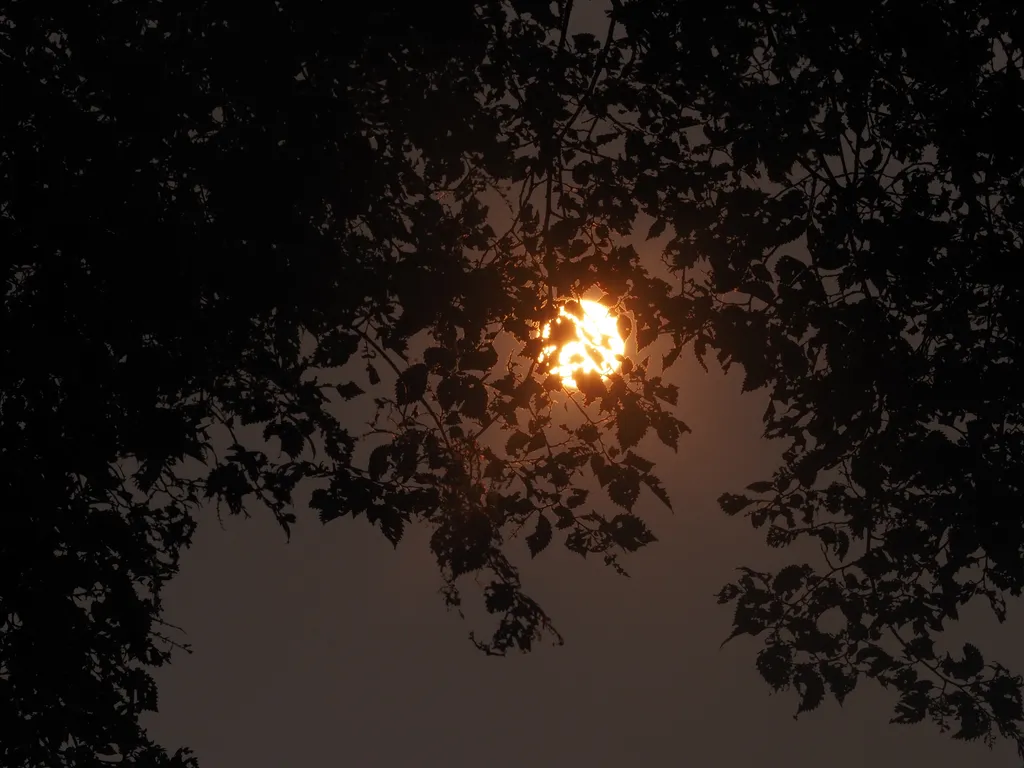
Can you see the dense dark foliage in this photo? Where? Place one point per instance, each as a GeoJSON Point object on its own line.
{"type": "Point", "coordinates": [219, 222]}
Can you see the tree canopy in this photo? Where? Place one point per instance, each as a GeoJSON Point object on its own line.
{"type": "Point", "coordinates": [220, 222]}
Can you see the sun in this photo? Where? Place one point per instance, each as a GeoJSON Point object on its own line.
{"type": "Point", "coordinates": [585, 339]}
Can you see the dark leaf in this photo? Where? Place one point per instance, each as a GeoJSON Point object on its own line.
{"type": "Point", "coordinates": [474, 404]}
{"type": "Point", "coordinates": [788, 580]}
{"type": "Point", "coordinates": [380, 461]}
{"type": "Point", "coordinates": [440, 360]}
{"type": "Point", "coordinates": [578, 498]}
{"type": "Point", "coordinates": [537, 442]}
{"type": "Point", "coordinates": [411, 384]}
{"type": "Point", "coordinates": [632, 424]}
{"type": "Point", "coordinates": [479, 360]}
{"type": "Point", "coordinates": [667, 429]}
{"type": "Point", "coordinates": [645, 336]}
{"type": "Point", "coordinates": [810, 687]}
{"type": "Point", "coordinates": [349, 390]}
{"type": "Point", "coordinates": [372, 373]}
{"type": "Point", "coordinates": [624, 488]}
{"type": "Point", "coordinates": [541, 536]}
{"type": "Point", "coordinates": [591, 385]}
{"type": "Point", "coordinates": [630, 532]}
{"type": "Point", "coordinates": [775, 664]}
{"type": "Point", "coordinates": [733, 504]}
{"type": "Point", "coordinates": [657, 229]}
{"type": "Point", "coordinates": [516, 442]}
{"type": "Point", "coordinates": [391, 522]}
{"type": "Point", "coordinates": [588, 433]}
{"type": "Point", "coordinates": [638, 462]}
{"type": "Point", "coordinates": [658, 490]}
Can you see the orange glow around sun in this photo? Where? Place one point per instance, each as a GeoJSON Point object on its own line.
{"type": "Point", "coordinates": [592, 344]}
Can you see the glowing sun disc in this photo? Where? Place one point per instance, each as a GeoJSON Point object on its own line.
{"type": "Point", "coordinates": [596, 345]}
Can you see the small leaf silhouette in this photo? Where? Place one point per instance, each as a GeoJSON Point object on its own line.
{"type": "Point", "coordinates": [540, 537]}
{"type": "Point", "coordinates": [810, 687]}
{"type": "Point", "coordinates": [658, 490]}
{"type": "Point", "coordinates": [479, 359]}
{"type": "Point", "coordinates": [349, 390]}
{"type": "Point", "coordinates": [591, 385]}
{"type": "Point", "coordinates": [624, 488]}
{"type": "Point", "coordinates": [657, 229]}
{"type": "Point", "coordinates": [578, 498]}
{"type": "Point", "coordinates": [632, 424]}
{"type": "Point", "coordinates": [380, 461]}
{"type": "Point", "coordinates": [440, 360]}
{"type": "Point", "coordinates": [775, 663]}
{"type": "Point", "coordinates": [788, 580]}
{"type": "Point", "coordinates": [733, 504]}
{"type": "Point", "coordinates": [630, 532]}
{"type": "Point", "coordinates": [667, 429]}
{"type": "Point", "coordinates": [412, 384]}
{"type": "Point", "coordinates": [516, 442]}
{"type": "Point", "coordinates": [537, 441]}
{"type": "Point", "coordinates": [474, 399]}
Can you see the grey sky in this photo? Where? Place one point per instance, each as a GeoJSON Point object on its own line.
{"type": "Point", "coordinates": [336, 650]}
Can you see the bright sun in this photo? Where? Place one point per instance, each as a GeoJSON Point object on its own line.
{"type": "Point", "coordinates": [591, 343]}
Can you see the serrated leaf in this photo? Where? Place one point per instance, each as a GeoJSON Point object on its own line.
{"type": "Point", "coordinates": [624, 326]}
{"type": "Point", "coordinates": [637, 462]}
{"type": "Point", "coordinates": [732, 503]}
{"type": "Point", "coordinates": [578, 498]}
{"type": "Point", "coordinates": [411, 384]}
{"type": "Point", "coordinates": [440, 360]}
{"type": "Point", "coordinates": [474, 400]}
{"type": "Point", "coordinates": [810, 687]}
{"type": "Point", "coordinates": [973, 662]}
{"type": "Point", "coordinates": [516, 442]}
{"type": "Point", "coordinates": [479, 359]}
{"type": "Point", "coordinates": [448, 392]}
{"type": "Point", "coordinates": [552, 383]}
{"type": "Point", "coordinates": [645, 336]}
{"type": "Point", "coordinates": [289, 434]}
{"type": "Point", "coordinates": [349, 390]}
{"type": "Point", "coordinates": [632, 424]}
{"type": "Point", "coordinates": [540, 537]}
{"type": "Point", "coordinates": [775, 664]}
{"type": "Point", "coordinates": [667, 429]}
{"type": "Point", "coordinates": [591, 385]}
{"type": "Point", "coordinates": [629, 532]}
{"type": "Point", "coordinates": [657, 229]}
{"type": "Point", "coordinates": [537, 441]}
{"type": "Point", "coordinates": [840, 683]}
{"type": "Point", "coordinates": [624, 488]}
{"type": "Point", "coordinates": [910, 709]}
{"type": "Point", "coordinates": [391, 522]}
{"type": "Point", "coordinates": [788, 580]}
{"type": "Point", "coordinates": [380, 461]}
{"type": "Point", "coordinates": [758, 290]}
{"type": "Point", "coordinates": [658, 490]}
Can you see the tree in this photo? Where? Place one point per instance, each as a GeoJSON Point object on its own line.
{"type": "Point", "coordinates": [879, 148]}
{"type": "Point", "coordinates": [322, 222]}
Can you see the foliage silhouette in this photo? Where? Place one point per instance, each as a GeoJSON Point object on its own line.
{"type": "Point", "coordinates": [890, 350]}
{"type": "Point", "coordinates": [834, 191]}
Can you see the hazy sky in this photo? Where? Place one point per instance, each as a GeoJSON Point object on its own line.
{"type": "Point", "coordinates": [335, 650]}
